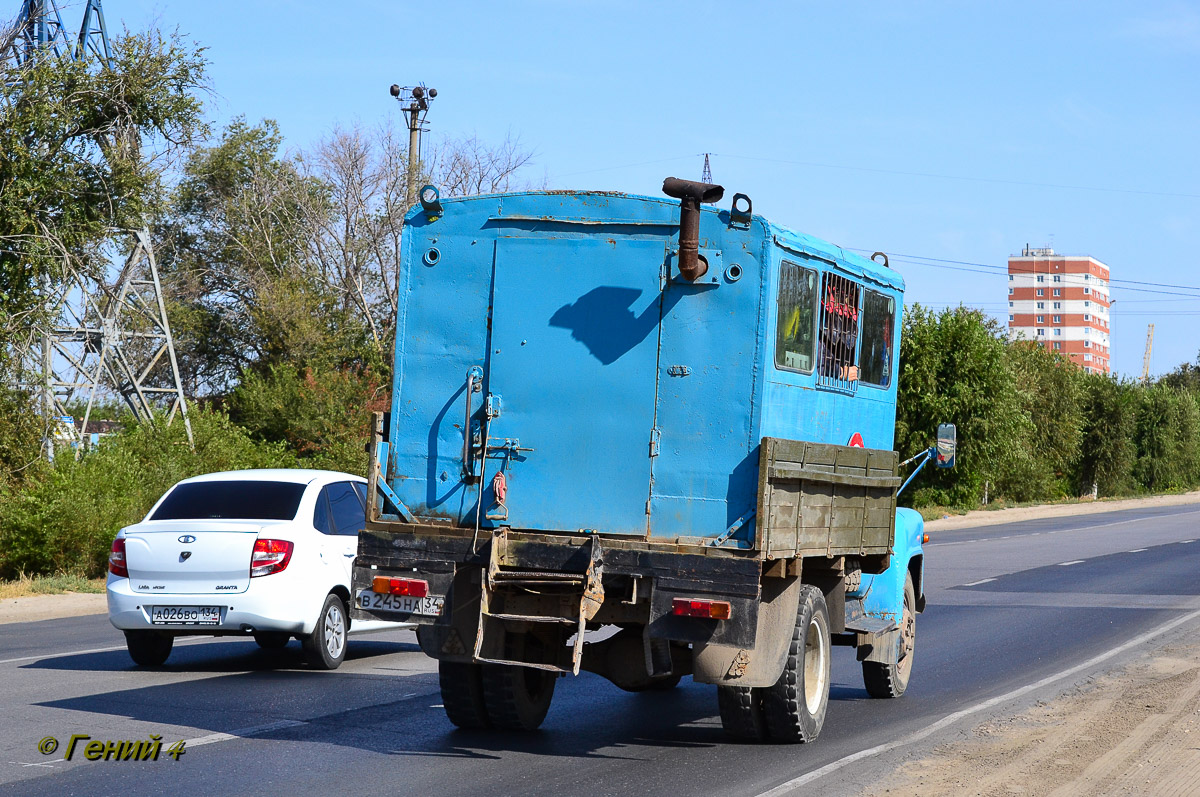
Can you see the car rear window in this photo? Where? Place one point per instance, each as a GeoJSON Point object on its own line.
{"type": "Point", "coordinates": [239, 500]}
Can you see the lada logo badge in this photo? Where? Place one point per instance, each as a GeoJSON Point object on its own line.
{"type": "Point", "coordinates": [187, 539]}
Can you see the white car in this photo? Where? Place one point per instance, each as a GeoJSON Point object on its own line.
{"type": "Point", "coordinates": [266, 553]}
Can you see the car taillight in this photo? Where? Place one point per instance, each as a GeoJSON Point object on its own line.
{"type": "Point", "coordinates": [116, 559]}
{"type": "Point", "coordinates": [270, 556]}
{"type": "Point", "coordinates": [714, 610]}
{"type": "Point", "coordinates": [412, 587]}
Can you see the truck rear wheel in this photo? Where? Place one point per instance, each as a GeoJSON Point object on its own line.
{"type": "Point", "coordinates": [517, 698]}
{"type": "Point", "coordinates": [742, 712]}
{"type": "Point", "coordinates": [462, 694]}
{"type": "Point", "coordinates": [795, 706]}
{"type": "Point", "coordinates": [890, 679]}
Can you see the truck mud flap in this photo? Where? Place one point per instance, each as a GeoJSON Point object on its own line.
{"type": "Point", "coordinates": [761, 662]}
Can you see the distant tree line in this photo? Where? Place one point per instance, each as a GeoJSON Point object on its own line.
{"type": "Point", "coordinates": [1032, 426]}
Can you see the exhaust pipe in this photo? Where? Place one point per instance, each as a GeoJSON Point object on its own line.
{"type": "Point", "coordinates": [690, 194]}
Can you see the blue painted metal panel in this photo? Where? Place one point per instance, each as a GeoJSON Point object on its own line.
{"type": "Point", "coordinates": [441, 332]}
{"type": "Point", "coordinates": [883, 594]}
{"type": "Point", "coordinates": [706, 472]}
{"type": "Point", "coordinates": [573, 355]}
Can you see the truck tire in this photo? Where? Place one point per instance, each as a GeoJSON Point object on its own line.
{"type": "Point", "coordinates": [517, 698]}
{"type": "Point", "coordinates": [462, 694]}
{"type": "Point", "coordinates": [795, 706]}
{"type": "Point", "coordinates": [149, 648]}
{"type": "Point", "coordinates": [742, 712]}
{"type": "Point", "coordinates": [890, 679]}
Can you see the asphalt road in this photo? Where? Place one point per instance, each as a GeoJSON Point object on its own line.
{"type": "Point", "coordinates": [1010, 609]}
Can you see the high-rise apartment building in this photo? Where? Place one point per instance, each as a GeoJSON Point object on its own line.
{"type": "Point", "coordinates": [1062, 302]}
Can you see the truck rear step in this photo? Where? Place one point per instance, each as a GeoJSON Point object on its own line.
{"type": "Point", "coordinates": [544, 603]}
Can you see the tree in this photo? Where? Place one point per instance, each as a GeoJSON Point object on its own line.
{"type": "Point", "coordinates": [236, 256]}
{"type": "Point", "coordinates": [1109, 411]}
{"type": "Point", "coordinates": [82, 150]}
{"type": "Point", "coordinates": [1048, 393]}
{"type": "Point", "coordinates": [953, 369]}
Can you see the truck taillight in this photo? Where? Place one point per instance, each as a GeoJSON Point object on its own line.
{"type": "Point", "coordinates": [116, 559]}
{"type": "Point", "coordinates": [412, 587]}
{"type": "Point", "coordinates": [713, 610]}
{"type": "Point", "coordinates": [270, 556]}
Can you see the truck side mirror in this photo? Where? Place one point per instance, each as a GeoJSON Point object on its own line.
{"type": "Point", "coordinates": [947, 443]}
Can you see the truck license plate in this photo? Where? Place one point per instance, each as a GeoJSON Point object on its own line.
{"type": "Point", "coordinates": [185, 615]}
{"type": "Point", "coordinates": [382, 602]}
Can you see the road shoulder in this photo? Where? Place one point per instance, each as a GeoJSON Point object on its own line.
{"type": "Point", "coordinates": [993, 517]}
{"type": "Point", "coordinates": [51, 607]}
{"type": "Point", "coordinates": [1132, 730]}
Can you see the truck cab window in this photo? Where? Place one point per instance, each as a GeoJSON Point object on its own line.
{"type": "Point", "coordinates": [839, 330]}
{"type": "Point", "coordinates": [795, 333]}
{"type": "Point", "coordinates": [877, 326]}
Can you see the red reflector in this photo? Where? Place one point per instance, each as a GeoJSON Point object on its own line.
{"type": "Point", "coordinates": [713, 610]}
{"type": "Point", "coordinates": [412, 587]}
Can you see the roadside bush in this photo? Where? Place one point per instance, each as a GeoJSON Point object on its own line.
{"type": "Point", "coordinates": [1165, 435]}
{"type": "Point", "coordinates": [65, 519]}
{"type": "Point", "coordinates": [1037, 467]}
{"type": "Point", "coordinates": [322, 415]}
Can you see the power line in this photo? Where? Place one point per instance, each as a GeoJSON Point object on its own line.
{"type": "Point", "coordinates": [994, 270]}
{"type": "Point", "coordinates": [965, 178]}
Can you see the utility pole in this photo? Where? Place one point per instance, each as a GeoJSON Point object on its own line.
{"type": "Point", "coordinates": [706, 175]}
{"type": "Point", "coordinates": [414, 101]}
{"type": "Point", "coordinates": [1146, 357]}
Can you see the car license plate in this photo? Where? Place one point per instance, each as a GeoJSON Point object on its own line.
{"type": "Point", "coordinates": [383, 602]}
{"type": "Point", "coordinates": [185, 615]}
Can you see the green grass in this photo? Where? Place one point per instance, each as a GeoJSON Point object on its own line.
{"type": "Point", "coordinates": [49, 585]}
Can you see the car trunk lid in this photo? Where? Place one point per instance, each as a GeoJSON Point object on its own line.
{"type": "Point", "coordinates": [189, 558]}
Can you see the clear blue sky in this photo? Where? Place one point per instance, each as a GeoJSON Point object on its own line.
{"type": "Point", "coordinates": [950, 130]}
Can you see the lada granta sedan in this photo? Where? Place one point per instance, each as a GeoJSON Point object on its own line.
{"type": "Point", "coordinates": [266, 553]}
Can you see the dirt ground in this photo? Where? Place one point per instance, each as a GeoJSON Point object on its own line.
{"type": "Point", "coordinates": [49, 607]}
{"type": "Point", "coordinates": [1133, 731]}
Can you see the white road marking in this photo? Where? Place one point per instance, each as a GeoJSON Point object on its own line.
{"type": "Point", "coordinates": [980, 581]}
{"type": "Point", "coordinates": [1072, 562]}
{"type": "Point", "coordinates": [1136, 550]}
{"type": "Point", "coordinates": [1185, 542]}
{"type": "Point", "coordinates": [241, 733]}
{"type": "Point", "coordinates": [950, 719]}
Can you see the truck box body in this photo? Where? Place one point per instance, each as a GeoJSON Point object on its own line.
{"type": "Point", "coordinates": [595, 425]}
{"type": "Point", "coordinates": [632, 402]}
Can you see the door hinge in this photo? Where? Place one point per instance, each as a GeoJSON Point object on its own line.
{"type": "Point", "coordinates": [655, 435]}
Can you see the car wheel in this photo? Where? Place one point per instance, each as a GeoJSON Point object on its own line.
{"type": "Point", "coordinates": [149, 648]}
{"type": "Point", "coordinates": [890, 679]}
{"type": "Point", "coordinates": [272, 640]}
{"type": "Point", "coordinates": [325, 647]}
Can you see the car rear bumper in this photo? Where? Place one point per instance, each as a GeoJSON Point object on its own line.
{"type": "Point", "coordinates": [257, 610]}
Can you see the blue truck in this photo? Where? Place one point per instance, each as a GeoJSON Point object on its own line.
{"type": "Point", "coordinates": [644, 438]}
